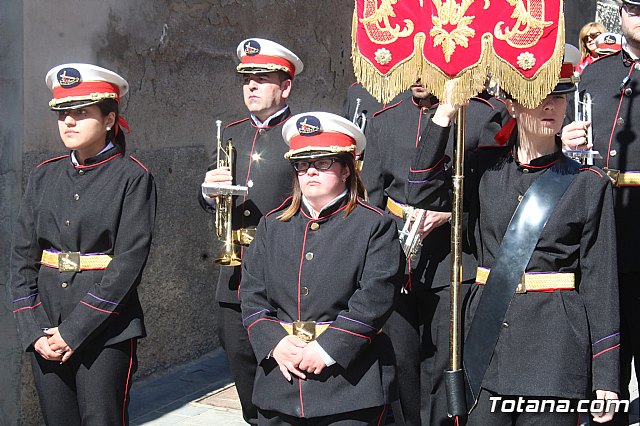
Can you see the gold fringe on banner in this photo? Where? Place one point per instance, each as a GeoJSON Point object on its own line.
{"type": "Point", "coordinates": [468, 83]}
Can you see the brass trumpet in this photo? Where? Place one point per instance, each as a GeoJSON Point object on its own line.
{"type": "Point", "coordinates": [410, 234]}
{"type": "Point", "coordinates": [223, 193]}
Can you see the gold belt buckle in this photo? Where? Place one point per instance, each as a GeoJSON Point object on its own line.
{"type": "Point", "coordinates": [305, 330]}
{"type": "Point", "coordinates": [69, 261]}
{"type": "Point", "coordinates": [613, 175]}
{"type": "Point", "coordinates": [521, 288]}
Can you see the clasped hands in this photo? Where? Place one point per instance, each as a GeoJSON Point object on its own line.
{"type": "Point", "coordinates": [52, 346]}
{"type": "Point", "coordinates": [297, 357]}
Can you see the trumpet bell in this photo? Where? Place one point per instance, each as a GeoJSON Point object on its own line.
{"type": "Point", "coordinates": [229, 259]}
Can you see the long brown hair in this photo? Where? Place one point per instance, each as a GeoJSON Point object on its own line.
{"type": "Point", "coordinates": [354, 185]}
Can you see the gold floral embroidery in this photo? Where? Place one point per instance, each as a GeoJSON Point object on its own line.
{"type": "Point", "coordinates": [526, 60]}
{"type": "Point", "coordinates": [383, 56]}
{"type": "Point", "coordinates": [451, 13]}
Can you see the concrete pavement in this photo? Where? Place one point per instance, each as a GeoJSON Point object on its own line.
{"type": "Point", "coordinates": [201, 393]}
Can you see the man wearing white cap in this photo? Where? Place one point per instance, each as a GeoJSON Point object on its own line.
{"type": "Point", "coordinates": [612, 81]}
{"type": "Point", "coordinates": [268, 71]}
{"type": "Point", "coordinates": [318, 283]}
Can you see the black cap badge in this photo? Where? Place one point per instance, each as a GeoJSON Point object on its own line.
{"type": "Point", "coordinates": [308, 125]}
{"type": "Point", "coordinates": [69, 77]}
{"type": "Point", "coordinates": [251, 48]}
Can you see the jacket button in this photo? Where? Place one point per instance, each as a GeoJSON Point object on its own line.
{"type": "Point", "coordinates": [76, 197]}
{"type": "Point", "coordinates": [250, 183]}
{"type": "Point", "coordinates": [304, 291]}
{"type": "Point", "coordinates": [64, 285]}
{"type": "Point", "coordinates": [80, 172]}
{"type": "Point", "coordinates": [613, 153]}
{"type": "Point", "coordinates": [315, 226]}
{"type": "Point", "coordinates": [246, 212]}
{"type": "Point", "coordinates": [637, 66]}
{"type": "Point", "coordinates": [67, 223]}
{"type": "Point", "coordinates": [505, 325]}
{"type": "Point", "coordinates": [620, 121]}
{"type": "Point", "coordinates": [525, 170]}
{"type": "Point", "coordinates": [308, 256]}
{"type": "Point", "coordinates": [628, 91]}
{"type": "Point", "coordinates": [261, 131]}
{"type": "Point", "coordinates": [520, 197]}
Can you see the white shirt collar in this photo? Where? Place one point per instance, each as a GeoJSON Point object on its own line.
{"type": "Point", "coordinates": [74, 160]}
{"type": "Point", "coordinates": [265, 123]}
{"type": "Point", "coordinates": [316, 214]}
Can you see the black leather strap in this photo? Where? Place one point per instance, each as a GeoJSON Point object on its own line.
{"type": "Point", "coordinates": [514, 254]}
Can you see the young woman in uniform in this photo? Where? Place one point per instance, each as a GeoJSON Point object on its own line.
{"type": "Point", "coordinates": [318, 283]}
{"type": "Point", "coordinates": [79, 248]}
{"type": "Point", "coordinates": [557, 337]}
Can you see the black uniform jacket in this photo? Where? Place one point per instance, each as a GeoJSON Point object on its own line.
{"type": "Point", "coordinates": [337, 269]}
{"type": "Point", "coordinates": [549, 341]}
{"type": "Point", "coordinates": [368, 104]}
{"type": "Point", "coordinates": [604, 80]}
{"type": "Point", "coordinates": [106, 206]}
{"type": "Point", "coordinates": [393, 136]}
{"type": "Point", "coordinates": [261, 166]}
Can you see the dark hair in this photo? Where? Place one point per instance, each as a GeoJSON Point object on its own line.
{"type": "Point", "coordinates": [107, 106]}
{"type": "Point", "coordinates": [355, 188]}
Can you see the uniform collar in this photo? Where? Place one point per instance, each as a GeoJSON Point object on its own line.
{"type": "Point", "coordinates": [75, 162]}
{"type": "Point", "coordinates": [274, 119]}
{"type": "Point", "coordinates": [543, 162]}
{"type": "Point", "coordinates": [329, 208]}
{"type": "Point", "coordinates": [102, 157]}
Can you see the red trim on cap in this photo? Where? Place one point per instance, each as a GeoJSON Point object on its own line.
{"type": "Point", "coordinates": [268, 59]}
{"type": "Point", "coordinates": [321, 140]}
{"type": "Point", "coordinates": [86, 88]}
{"type": "Point", "coordinates": [567, 70]}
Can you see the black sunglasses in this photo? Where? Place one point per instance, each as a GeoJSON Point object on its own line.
{"type": "Point", "coordinates": [631, 9]}
{"type": "Point", "coordinates": [319, 164]}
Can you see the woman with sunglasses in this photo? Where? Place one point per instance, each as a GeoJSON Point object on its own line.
{"type": "Point", "coordinates": [587, 42]}
{"type": "Point", "coordinates": [318, 283]}
{"type": "Point", "coordinates": [79, 248]}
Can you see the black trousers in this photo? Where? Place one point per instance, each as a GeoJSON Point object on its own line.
{"type": "Point", "coordinates": [368, 417]}
{"type": "Point", "coordinates": [482, 414]}
{"type": "Point", "coordinates": [91, 388]}
{"type": "Point", "coordinates": [240, 356]}
{"type": "Point", "coordinates": [403, 329]}
{"type": "Point", "coordinates": [629, 338]}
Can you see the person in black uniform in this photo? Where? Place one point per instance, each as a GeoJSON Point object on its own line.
{"type": "Point", "coordinates": [559, 333]}
{"type": "Point", "coordinates": [268, 70]}
{"type": "Point", "coordinates": [419, 326]}
{"type": "Point", "coordinates": [362, 111]}
{"type": "Point", "coordinates": [79, 248]}
{"type": "Point", "coordinates": [318, 283]}
{"type": "Point", "coordinates": [612, 81]}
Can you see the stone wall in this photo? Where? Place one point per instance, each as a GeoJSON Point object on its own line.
{"type": "Point", "coordinates": [179, 58]}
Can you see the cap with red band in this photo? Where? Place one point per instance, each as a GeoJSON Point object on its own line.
{"type": "Point", "coordinates": [568, 79]}
{"type": "Point", "coordinates": [78, 85]}
{"type": "Point", "coordinates": [315, 134]}
{"type": "Point", "coordinates": [258, 56]}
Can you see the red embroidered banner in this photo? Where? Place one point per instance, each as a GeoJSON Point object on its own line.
{"type": "Point", "coordinates": [519, 42]}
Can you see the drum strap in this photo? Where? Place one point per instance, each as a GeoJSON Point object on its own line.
{"type": "Point", "coordinates": [515, 251]}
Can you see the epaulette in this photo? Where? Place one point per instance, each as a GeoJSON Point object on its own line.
{"type": "Point", "coordinates": [236, 122]}
{"type": "Point", "coordinates": [288, 200]}
{"type": "Point", "coordinates": [478, 99]}
{"type": "Point", "coordinates": [591, 169]}
{"type": "Point", "coordinates": [51, 160]}
{"type": "Point", "coordinates": [369, 206]}
{"type": "Point", "coordinates": [388, 107]}
{"type": "Point", "coordinates": [139, 163]}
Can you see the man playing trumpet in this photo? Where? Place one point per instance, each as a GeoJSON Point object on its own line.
{"type": "Point", "coordinates": [268, 70]}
